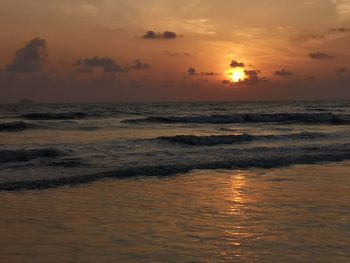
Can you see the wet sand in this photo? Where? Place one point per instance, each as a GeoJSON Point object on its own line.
{"type": "Point", "coordinates": [293, 214]}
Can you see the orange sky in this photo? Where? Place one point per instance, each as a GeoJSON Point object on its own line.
{"type": "Point", "coordinates": [290, 50]}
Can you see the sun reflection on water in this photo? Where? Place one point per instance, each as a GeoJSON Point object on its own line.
{"type": "Point", "coordinates": [237, 197]}
{"type": "Point", "coordinates": [237, 232]}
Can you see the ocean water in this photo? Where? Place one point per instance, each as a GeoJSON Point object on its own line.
{"type": "Point", "coordinates": [53, 145]}
{"type": "Point", "coordinates": [176, 182]}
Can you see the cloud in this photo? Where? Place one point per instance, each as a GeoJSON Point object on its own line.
{"type": "Point", "coordinates": [87, 65]}
{"type": "Point", "coordinates": [169, 35]}
{"type": "Point", "coordinates": [192, 72]}
{"type": "Point", "coordinates": [283, 73]}
{"type": "Point", "coordinates": [319, 56]}
{"type": "Point", "coordinates": [209, 74]}
{"type": "Point", "coordinates": [327, 35]}
{"type": "Point", "coordinates": [30, 58]}
{"type": "Point", "coordinates": [177, 54]}
{"type": "Point", "coordinates": [341, 30]}
{"type": "Point", "coordinates": [138, 65]}
{"type": "Point", "coordinates": [252, 76]}
{"type": "Point", "coordinates": [311, 37]}
{"type": "Point", "coordinates": [342, 7]}
{"type": "Point", "coordinates": [151, 35]}
{"type": "Point", "coordinates": [236, 64]}
{"type": "Point", "coordinates": [107, 64]}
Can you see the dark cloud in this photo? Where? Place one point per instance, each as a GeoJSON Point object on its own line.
{"type": "Point", "coordinates": [209, 74]}
{"type": "Point", "coordinates": [30, 58]}
{"type": "Point", "coordinates": [138, 65]}
{"type": "Point", "coordinates": [322, 36]}
{"type": "Point", "coordinates": [236, 64]}
{"type": "Point", "coordinates": [341, 30]}
{"type": "Point", "coordinates": [177, 54]}
{"type": "Point", "coordinates": [192, 71]}
{"type": "Point", "coordinates": [107, 64]}
{"type": "Point", "coordinates": [283, 73]}
{"type": "Point", "coordinates": [252, 75]}
{"type": "Point", "coordinates": [87, 65]}
{"type": "Point", "coordinates": [154, 35]}
{"type": "Point", "coordinates": [169, 35]}
{"type": "Point", "coordinates": [319, 56]}
{"type": "Point", "coordinates": [150, 35]}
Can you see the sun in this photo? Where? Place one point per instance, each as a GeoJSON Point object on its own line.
{"type": "Point", "coordinates": [237, 74]}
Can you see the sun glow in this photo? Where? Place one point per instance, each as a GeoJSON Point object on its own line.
{"type": "Point", "coordinates": [237, 74]}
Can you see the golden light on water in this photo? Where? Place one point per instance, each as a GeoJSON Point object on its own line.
{"type": "Point", "coordinates": [238, 185]}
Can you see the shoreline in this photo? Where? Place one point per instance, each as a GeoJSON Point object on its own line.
{"type": "Point", "coordinates": [256, 215]}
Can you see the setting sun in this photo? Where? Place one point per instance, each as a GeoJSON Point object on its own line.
{"type": "Point", "coordinates": [236, 75]}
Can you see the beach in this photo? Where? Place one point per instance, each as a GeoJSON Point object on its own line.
{"type": "Point", "coordinates": [292, 214]}
{"type": "Point", "coordinates": [175, 131]}
{"type": "Point", "coordinates": [175, 182]}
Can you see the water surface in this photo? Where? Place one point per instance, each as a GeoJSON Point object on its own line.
{"type": "Point", "coordinates": [295, 214]}
{"type": "Point", "coordinates": [47, 145]}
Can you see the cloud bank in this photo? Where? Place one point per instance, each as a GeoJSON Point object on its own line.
{"type": "Point", "coordinates": [107, 64]}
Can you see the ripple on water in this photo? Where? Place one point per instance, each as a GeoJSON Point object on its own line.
{"type": "Point", "coordinates": [204, 216]}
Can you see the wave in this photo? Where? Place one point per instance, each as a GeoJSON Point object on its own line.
{"type": "Point", "coordinates": [324, 110]}
{"type": "Point", "coordinates": [212, 140]}
{"type": "Point", "coordinates": [26, 155]}
{"type": "Point", "coordinates": [257, 158]}
{"type": "Point", "coordinates": [194, 140]}
{"type": "Point", "coordinates": [304, 118]}
{"type": "Point", "coordinates": [54, 116]}
{"type": "Point", "coordinates": [67, 162]}
{"type": "Point", "coordinates": [16, 126]}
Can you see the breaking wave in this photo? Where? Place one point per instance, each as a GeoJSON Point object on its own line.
{"type": "Point", "coordinates": [261, 157]}
{"type": "Point", "coordinates": [303, 118]}
{"type": "Point", "coordinates": [55, 116]}
{"type": "Point", "coordinates": [16, 126]}
{"type": "Point", "coordinates": [26, 155]}
{"type": "Point", "coordinates": [212, 140]}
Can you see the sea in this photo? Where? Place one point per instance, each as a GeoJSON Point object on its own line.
{"type": "Point", "coordinates": [175, 182]}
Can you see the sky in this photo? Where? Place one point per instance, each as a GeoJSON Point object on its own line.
{"type": "Point", "coordinates": [174, 50]}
